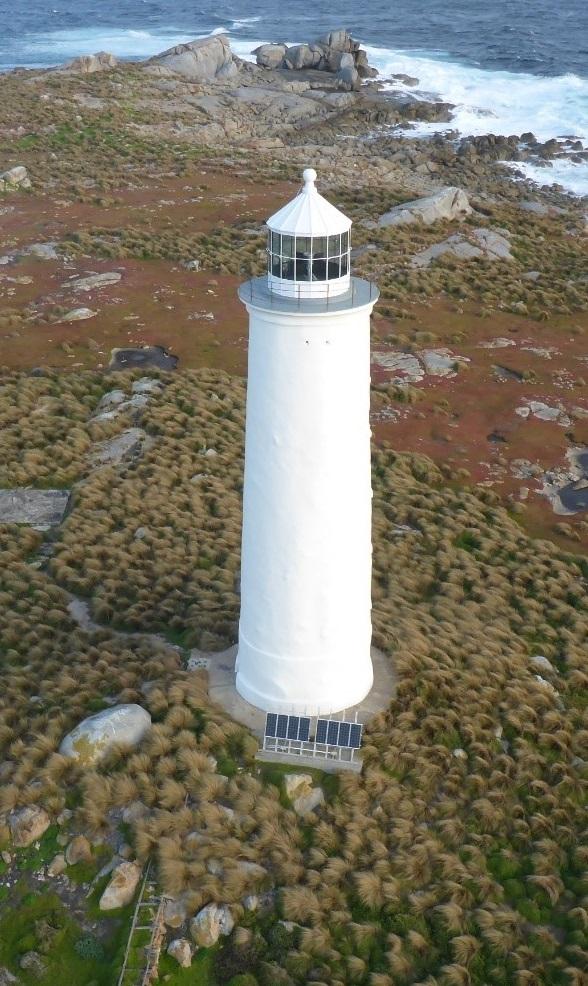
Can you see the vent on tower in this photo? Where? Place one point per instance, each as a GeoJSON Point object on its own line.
{"type": "Point", "coordinates": [308, 246]}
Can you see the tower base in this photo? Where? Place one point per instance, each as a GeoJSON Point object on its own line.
{"type": "Point", "coordinates": [222, 690]}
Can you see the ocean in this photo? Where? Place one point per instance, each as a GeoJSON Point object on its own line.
{"type": "Point", "coordinates": [509, 66]}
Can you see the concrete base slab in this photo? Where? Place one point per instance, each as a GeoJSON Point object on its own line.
{"type": "Point", "coordinates": [222, 690]}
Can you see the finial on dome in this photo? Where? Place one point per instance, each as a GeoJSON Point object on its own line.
{"type": "Point", "coordinates": [309, 175]}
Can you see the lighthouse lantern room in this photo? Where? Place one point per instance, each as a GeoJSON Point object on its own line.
{"type": "Point", "coordinates": [305, 624]}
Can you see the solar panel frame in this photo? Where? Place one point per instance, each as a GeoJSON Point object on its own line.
{"type": "Point", "coordinates": [293, 727]}
{"type": "Point", "coordinates": [333, 732]}
{"type": "Point", "coordinates": [304, 729]}
{"type": "Point", "coordinates": [271, 721]}
{"type": "Point", "coordinates": [321, 730]}
{"type": "Point", "coordinates": [344, 733]}
{"type": "Point", "coordinates": [282, 727]}
{"type": "Point", "coordinates": [355, 735]}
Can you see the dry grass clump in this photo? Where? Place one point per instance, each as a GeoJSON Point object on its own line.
{"type": "Point", "coordinates": [44, 434]}
{"type": "Point", "coordinates": [179, 572]}
{"type": "Point", "coordinates": [456, 856]}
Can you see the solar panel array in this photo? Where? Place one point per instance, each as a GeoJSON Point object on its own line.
{"type": "Point", "coordinates": [287, 727]}
{"type": "Point", "coordinates": [336, 733]}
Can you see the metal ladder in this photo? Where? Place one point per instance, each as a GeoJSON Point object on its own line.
{"type": "Point", "coordinates": [149, 908]}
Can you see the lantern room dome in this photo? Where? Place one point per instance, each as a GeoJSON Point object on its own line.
{"type": "Point", "coordinates": [309, 246]}
{"type": "Point", "coordinates": [309, 214]}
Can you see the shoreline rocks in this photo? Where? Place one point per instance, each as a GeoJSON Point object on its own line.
{"type": "Point", "coordinates": [335, 52]}
{"type": "Point", "coordinates": [199, 61]}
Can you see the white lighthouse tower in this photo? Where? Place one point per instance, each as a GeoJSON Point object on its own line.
{"type": "Point", "coordinates": [305, 627]}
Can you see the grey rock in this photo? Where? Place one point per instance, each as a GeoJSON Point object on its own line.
{"type": "Point", "coordinates": [540, 661]}
{"type": "Point", "coordinates": [348, 78]}
{"type": "Point", "coordinates": [94, 281]}
{"type": "Point", "coordinates": [121, 888]}
{"type": "Point", "coordinates": [407, 80]}
{"type": "Point", "coordinates": [14, 178]}
{"type": "Point", "coordinates": [200, 61]}
{"type": "Point", "coordinates": [448, 204]}
{"type": "Point", "coordinates": [27, 825]}
{"type": "Point", "coordinates": [32, 963]}
{"type": "Point", "coordinates": [78, 850]}
{"type": "Point", "coordinates": [102, 61]}
{"type": "Point", "coordinates": [92, 738]}
{"type": "Point", "coordinates": [44, 251]}
{"type": "Point", "coordinates": [306, 803]}
{"type": "Point", "coordinates": [79, 315]}
{"type": "Point", "coordinates": [181, 950]}
{"type": "Point", "coordinates": [303, 56]}
{"type": "Point", "coordinates": [174, 913]}
{"type": "Point", "coordinates": [112, 451]}
{"type": "Point", "coordinates": [57, 866]}
{"type": "Point", "coordinates": [270, 55]}
{"type": "Point", "coordinates": [488, 244]}
{"type": "Point", "coordinates": [7, 978]}
{"type": "Point", "coordinates": [111, 399]}
{"type": "Point", "coordinates": [147, 385]}
{"type": "Point", "coordinates": [40, 509]}
{"type": "Point", "coordinates": [210, 923]}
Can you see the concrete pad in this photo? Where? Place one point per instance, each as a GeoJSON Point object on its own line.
{"type": "Point", "coordinates": [222, 690]}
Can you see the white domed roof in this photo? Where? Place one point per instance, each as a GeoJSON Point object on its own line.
{"type": "Point", "coordinates": [309, 214]}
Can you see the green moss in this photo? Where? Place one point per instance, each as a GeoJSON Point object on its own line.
{"type": "Point", "coordinates": [40, 922]}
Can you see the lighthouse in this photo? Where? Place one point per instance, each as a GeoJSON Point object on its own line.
{"type": "Point", "coordinates": [305, 624]}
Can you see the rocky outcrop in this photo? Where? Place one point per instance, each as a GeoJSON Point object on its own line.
{"type": "Point", "coordinates": [271, 55]}
{"type": "Point", "coordinates": [122, 886]}
{"type": "Point", "coordinates": [335, 52]}
{"type": "Point", "coordinates": [199, 61]}
{"type": "Point", "coordinates": [40, 509]}
{"type": "Point", "coordinates": [95, 281]}
{"type": "Point", "coordinates": [448, 204]}
{"type": "Point", "coordinates": [14, 179]}
{"type": "Point", "coordinates": [92, 739]}
{"type": "Point", "coordinates": [27, 825]}
{"type": "Point", "coordinates": [210, 923]}
{"type": "Point", "coordinates": [484, 243]}
{"type": "Point", "coordinates": [102, 61]}
{"type": "Point", "coordinates": [181, 950]}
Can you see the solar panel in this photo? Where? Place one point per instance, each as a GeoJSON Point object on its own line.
{"type": "Point", "coordinates": [344, 730]}
{"type": "Point", "coordinates": [270, 724]}
{"type": "Point", "coordinates": [333, 732]}
{"type": "Point", "coordinates": [321, 730]}
{"type": "Point", "coordinates": [293, 725]}
{"type": "Point", "coordinates": [304, 730]}
{"type": "Point", "coordinates": [282, 728]}
{"type": "Point", "coordinates": [355, 736]}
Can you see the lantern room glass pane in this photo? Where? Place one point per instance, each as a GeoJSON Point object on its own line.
{"type": "Point", "coordinates": [287, 269]}
{"type": "Point", "coordinates": [344, 264]}
{"type": "Point", "coordinates": [303, 268]}
{"type": "Point", "coordinates": [319, 269]}
{"type": "Point", "coordinates": [303, 246]}
{"type": "Point", "coordinates": [333, 268]}
{"type": "Point", "coordinates": [319, 247]}
{"type": "Point", "coordinates": [275, 243]}
{"type": "Point", "coordinates": [344, 242]}
{"type": "Point", "coordinates": [287, 246]}
{"type": "Point", "coordinates": [276, 265]}
{"type": "Point", "coordinates": [334, 245]}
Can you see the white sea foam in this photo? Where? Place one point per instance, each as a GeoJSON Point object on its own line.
{"type": "Point", "coordinates": [499, 102]}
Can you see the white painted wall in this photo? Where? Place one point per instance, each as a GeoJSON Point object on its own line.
{"type": "Point", "coordinates": [305, 628]}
